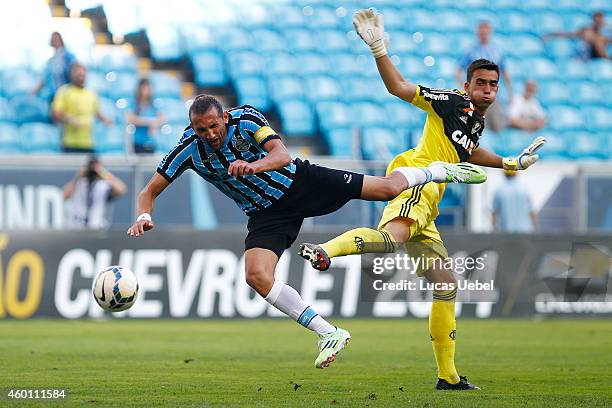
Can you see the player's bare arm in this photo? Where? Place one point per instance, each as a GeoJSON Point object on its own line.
{"type": "Point", "coordinates": [146, 199]}
{"type": "Point", "coordinates": [484, 157]}
{"type": "Point", "coordinates": [277, 157]}
{"type": "Point", "coordinates": [370, 27]}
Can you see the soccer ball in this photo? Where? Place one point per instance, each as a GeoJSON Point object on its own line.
{"type": "Point", "coordinates": [115, 288]}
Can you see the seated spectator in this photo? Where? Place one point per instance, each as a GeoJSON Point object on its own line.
{"type": "Point", "coordinates": [76, 108]}
{"type": "Point", "coordinates": [525, 112]}
{"type": "Point", "coordinates": [595, 41]}
{"type": "Point", "coordinates": [89, 193]}
{"type": "Point", "coordinates": [145, 118]}
{"type": "Point", "coordinates": [57, 69]}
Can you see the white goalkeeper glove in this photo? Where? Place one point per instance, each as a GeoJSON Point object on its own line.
{"type": "Point", "coordinates": [371, 29]}
{"type": "Point", "coordinates": [526, 158]}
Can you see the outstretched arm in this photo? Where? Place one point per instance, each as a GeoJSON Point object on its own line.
{"type": "Point", "coordinates": [370, 27]}
{"type": "Point", "coordinates": [484, 157]}
{"type": "Point", "coordinates": [146, 199]}
{"type": "Point", "coordinates": [277, 157]}
{"type": "Point", "coordinates": [528, 157]}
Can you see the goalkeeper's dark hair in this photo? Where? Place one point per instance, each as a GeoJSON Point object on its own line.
{"type": "Point", "coordinates": [481, 64]}
{"type": "Point", "coordinates": [203, 103]}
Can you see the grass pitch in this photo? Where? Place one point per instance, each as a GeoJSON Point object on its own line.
{"type": "Point", "coordinates": [270, 363]}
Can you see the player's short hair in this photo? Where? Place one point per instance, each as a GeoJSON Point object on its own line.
{"type": "Point", "coordinates": [203, 103]}
{"type": "Point", "coordinates": [481, 64]}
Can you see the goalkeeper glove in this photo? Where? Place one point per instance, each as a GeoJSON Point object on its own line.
{"type": "Point", "coordinates": [526, 158]}
{"type": "Point", "coordinates": [371, 29]}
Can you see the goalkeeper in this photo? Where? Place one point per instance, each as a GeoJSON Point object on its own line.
{"type": "Point", "coordinates": [455, 121]}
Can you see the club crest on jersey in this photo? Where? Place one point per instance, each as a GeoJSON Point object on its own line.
{"type": "Point", "coordinates": [241, 144]}
{"type": "Point", "coordinates": [464, 119]}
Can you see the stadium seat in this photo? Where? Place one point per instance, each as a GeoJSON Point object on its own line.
{"type": "Point", "coordinates": [340, 142]}
{"type": "Point", "coordinates": [165, 85]}
{"type": "Point", "coordinates": [40, 138]}
{"type": "Point", "coordinates": [269, 40]}
{"type": "Point", "coordinates": [597, 118]}
{"type": "Point", "coordinates": [301, 40]}
{"type": "Point", "coordinates": [600, 70]}
{"type": "Point", "coordinates": [252, 90]}
{"type": "Point", "coordinates": [402, 43]}
{"type": "Point", "coordinates": [123, 85]}
{"type": "Point", "coordinates": [288, 16]}
{"type": "Point", "coordinates": [574, 69]}
{"type": "Point", "coordinates": [174, 110]}
{"type": "Point", "coordinates": [592, 146]}
{"type": "Point", "coordinates": [109, 110]}
{"type": "Point", "coordinates": [109, 139]}
{"type": "Point", "coordinates": [334, 40]}
{"type": "Point", "coordinates": [334, 115]}
{"type": "Point", "coordinates": [30, 109]}
{"type": "Point", "coordinates": [367, 114]}
{"type": "Point", "coordinates": [235, 39]}
{"type": "Point", "coordinates": [379, 143]}
{"type": "Point", "coordinates": [344, 64]}
{"type": "Point", "coordinates": [209, 68]}
{"type": "Point", "coordinates": [244, 63]}
{"type": "Point", "coordinates": [10, 142]}
{"type": "Point", "coordinates": [561, 48]}
{"type": "Point", "coordinates": [561, 117]}
{"type": "Point", "coordinates": [297, 118]}
{"type": "Point", "coordinates": [312, 63]}
{"type": "Point", "coordinates": [540, 69]}
{"type": "Point", "coordinates": [589, 93]}
{"type": "Point", "coordinates": [165, 42]}
{"type": "Point", "coordinates": [168, 137]}
{"type": "Point", "coordinates": [401, 114]}
{"type": "Point", "coordinates": [322, 88]}
{"type": "Point", "coordinates": [280, 63]}
{"type": "Point", "coordinates": [16, 82]}
{"type": "Point", "coordinates": [322, 16]}
{"type": "Point", "coordinates": [7, 114]}
{"type": "Point", "coordinates": [554, 93]}
{"type": "Point", "coordinates": [115, 58]}
{"type": "Point", "coordinates": [285, 87]}
{"type": "Point", "coordinates": [97, 82]}
{"type": "Point", "coordinates": [558, 147]}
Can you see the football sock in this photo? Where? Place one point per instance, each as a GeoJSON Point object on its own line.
{"type": "Point", "coordinates": [359, 241]}
{"type": "Point", "coordinates": [421, 175]}
{"type": "Point", "coordinates": [442, 329]}
{"type": "Point", "coordinates": [288, 300]}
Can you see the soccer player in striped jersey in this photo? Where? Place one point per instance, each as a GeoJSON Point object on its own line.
{"type": "Point", "coordinates": [240, 154]}
{"type": "Point", "coordinates": [455, 121]}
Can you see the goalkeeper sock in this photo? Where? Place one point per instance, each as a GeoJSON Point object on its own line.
{"type": "Point", "coordinates": [442, 329]}
{"type": "Point", "coordinates": [421, 175]}
{"type": "Point", "coordinates": [288, 300]}
{"type": "Point", "coordinates": [359, 241]}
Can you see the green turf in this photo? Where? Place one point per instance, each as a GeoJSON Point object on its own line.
{"type": "Point", "coordinates": [261, 362]}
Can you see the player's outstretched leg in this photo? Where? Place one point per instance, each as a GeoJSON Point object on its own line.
{"type": "Point", "coordinates": [260, 264]}
{"type": "Point", "coordinates": [442, 172]}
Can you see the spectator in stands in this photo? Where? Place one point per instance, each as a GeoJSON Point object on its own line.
{"type": "Point", "coordinates": [57, 69]}
{"type": "Point", "coordinates": [595, 41]}
{"type": "Point", "coordinates": [90, 192]}
{"type": "Point", "coordinates": [525, 112]}
{"type": "Point", "coordinates": [145, 118]}
{"type": "Point", "coordinates": [76, 108]}
{"type": "Point", "coordinates": [512, 208]}
{"type": "Point", "coordinates": [487, 49]}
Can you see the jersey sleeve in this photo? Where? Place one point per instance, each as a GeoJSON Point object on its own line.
{"type": "Point", "coordinates": [437, 101]}
{"type": "Point", "coordinates": [178, 159]}
{"type": "Point", "coordinates": [256, 126]}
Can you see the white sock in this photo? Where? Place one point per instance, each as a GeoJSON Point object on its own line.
{"type": "Point", "coordinates": [422, 175]}
{"type": "Point", "coordinates": [288, 300]}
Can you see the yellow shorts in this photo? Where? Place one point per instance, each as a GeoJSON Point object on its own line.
{"type": "Point", "coordinates": [419, 204]}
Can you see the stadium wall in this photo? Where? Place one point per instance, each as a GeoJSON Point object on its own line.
{"type": "Point", "coordinates": [200, 275]}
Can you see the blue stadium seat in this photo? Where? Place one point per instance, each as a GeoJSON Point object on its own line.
{"type": "Point", "coordinates": [297, 118]}
{"type": "Point", "coordinates": [301, 39]}
{"type": "Point", "coordinates": [109, 110]}
{"type": "Point", "coordinates": [513, 141]}
{"type": "Point", "coordinates": [245, 63]}
{"type": "Point", "coordinates": [10, 141]}
{"type": "Point", "coordinates": [109, 139]}
{"type": "Point", "coordinates": [322, 88]}
{"type": "Point", "coordinates": [165, 42]}
{"type": "Point", "coordinates": [334, 115]}
{"type": "Point", "coordinates": [453, 20]}
{"type": "Point", "coordinates": [165, 85]}
{"type": "Point", "coordinates": [30, 109]}
{"type": "Point", "coordinates": [97, 82]}
{"type": "Point", "coordinates": [7, 114]}
{"type": "Point", "coordinates": [557, 148]}
{"type": "Point", "coordinates": [437, 44]}
{"type": "Point", "coordinates": [285, 87]}
{"type": "Point", "coordinates": [174, 110]}
{"type": "Point", "coordinates": [540, 69]}
{"type": "Point", "coordinates": [598, 118]}
{"type": "Point", "coordinates": [600, 70]}
{"type": "Point", "coordinates": [280, 63]}
{"type": "Point", "coordinates": [322, 16]}
{"type": "Point", "coordinates": [369, 89]}
{"type": "Point", "coordinates": [340, 142]}
{"type": "Point", "coordinates": [589, 93]}
{"type": "Point", "coordinates": [554, 93]}
{"type": "Point", "coordinates": [381, 143]}
{"type": "Point", "coordinates": [344, 64]}
{"type": "Point", "coordinates": [520, 46]}
{"type": "Point", "coordinates": [593, 146]}
{"type": "Point", "coordinates": [312, 63]}
{"type": "Point", "coordinates": [115, 58]}
{"type": "Point", "coordinates": [394, 19]}
{"type": "Point", "coordinates": [123, 86]}
{"type": "Point", "coordinates": [402, 114]}
{"type": "Point", "coordinates": [16, 82]}
{"type": "Point", "coordinates": [574, 69]}
{"type": "Point", "coordinates": [402, 42]}
{"type": "Point", "coordinates": [412, 66]}
{"type": "Point", "coordinates": [288, 16]}
{"type": "Point", "coordinates": [269, 40]}
{"type": "Point", "coordinates": [168, 137]}
{"type": "Point", "coordinates": [367, 114]}
{"type": "Point", "coordinates": [548, 22]}
{"type": "Point", "coordinates": [561, 48]}
{"type": "Point", "coordinates": [516, 22]}
{"type": "Point", "coordinates": [209, 68]}
{"type": "Point", "coordinates": [563, 117]}
{"type": "Point", "coordinates": [235, 39]}
{"type": "Point", "coordinates": [252, 90]}
{"type": "Point", "coordinates": [334, 40]}
{"type": "Point", "coordinates": [40, 138]}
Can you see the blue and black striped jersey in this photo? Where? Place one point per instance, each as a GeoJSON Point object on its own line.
{"type": "Point", "coordinates": [247, 131]}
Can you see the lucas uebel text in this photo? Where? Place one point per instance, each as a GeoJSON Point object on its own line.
{"type": "Point", "coordinates": [405, 285]}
